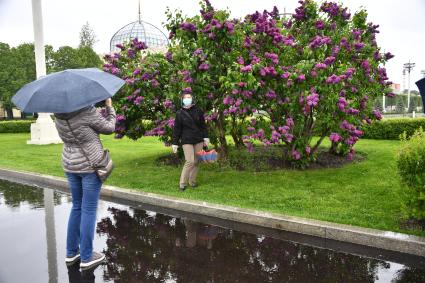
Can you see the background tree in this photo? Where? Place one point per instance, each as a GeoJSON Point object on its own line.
{"type": "Point", "coordinates": [5, 74]}
{"type": "Point", "coordinates": [64, 58]}
{"type": "Point", "coordinates": [400, 108]}
{"type": "Point", "coordinates": [88, 58]}
{"type": "Point", "coordinates": [87, 36]}
{"type": "Point", "coordinates": [17, 66]}
{"type": "Point", "coordinates": [413, 104]}
{"type": "Point", "coordinates": [21, 70]}
{"type": "Point", "coordinates": [67, 57]}
{"type": "Point", "coordinates": [378, 104]}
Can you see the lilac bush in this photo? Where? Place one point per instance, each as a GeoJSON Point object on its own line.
{"type": "Point", "coordinates": [144, 105]}
{"type": "Point", "coordinates": [203, 49]}
{"type": "Point", "coordinates": [316, 76]}
{"type": "Point", "coordinates": [293, 82]}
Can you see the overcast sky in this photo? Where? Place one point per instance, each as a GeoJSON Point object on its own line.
{"type": "Point", "coordinates": [402, 22]}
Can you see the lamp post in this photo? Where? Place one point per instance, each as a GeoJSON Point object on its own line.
{"type": "Point", "coordinates": [285, 14]}
{"type": "Point", "coordinates": [384, 110]}
{"type": "Point", "coordinates": [43, 131]}
{"type": "Point", "coordinates": [409, 67]}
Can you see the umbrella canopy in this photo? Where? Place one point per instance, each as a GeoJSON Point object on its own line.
{"type": "Point", "coordinates": [421, 87]}
{"type": "Point", "coordinates": [67, 91]}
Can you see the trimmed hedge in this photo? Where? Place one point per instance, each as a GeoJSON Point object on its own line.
{"type": "Point", "coordinates": [388, 129]}
{"type": "Point", "coordinates": [16, 126]}
{"type": "Point", "coordinates": [391, 129]}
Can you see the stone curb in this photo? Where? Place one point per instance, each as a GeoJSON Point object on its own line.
{"type": "Point", "coordinates": [386, 240]}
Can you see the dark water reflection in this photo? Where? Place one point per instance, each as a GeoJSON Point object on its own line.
{"type": "Point", "coordinates": [144, 246]}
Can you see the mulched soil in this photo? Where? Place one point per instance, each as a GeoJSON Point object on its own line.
{"type": "Point", "coordinates": [266, 159]}
{"type": "Point", "coordinates": [413, 224]}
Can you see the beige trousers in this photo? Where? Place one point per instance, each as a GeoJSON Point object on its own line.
{"type": "Point", "coordinates": [191, 166]}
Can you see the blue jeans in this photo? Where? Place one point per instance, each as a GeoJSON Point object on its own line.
{"type": "Point", "coordinates": [85, 191]}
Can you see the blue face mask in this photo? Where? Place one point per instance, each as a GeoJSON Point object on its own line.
{"type": "Point", "coordinates": [187, 101]}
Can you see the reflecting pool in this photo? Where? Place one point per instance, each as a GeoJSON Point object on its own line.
{"type": "Point", "coordinates": [143, 245]}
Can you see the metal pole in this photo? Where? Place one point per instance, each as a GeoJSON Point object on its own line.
{"type": "Point", "coordinates": [140, 14]}
{"type": "Point", "coordinates": [409, 67]}
{"type": "Point", "coordinates": [383, 95]}
{"type": "Point", "coordinates": [383, 104]}
{"type": "Point", "coordinates": [408, 91]}
{"type": "Point", "coordinates": [404, 80]}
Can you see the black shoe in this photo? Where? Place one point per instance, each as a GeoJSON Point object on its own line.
{"type": "Point", "coordinates": [182, 188]}
{"type": "Point", "coordinates": [194, 185]}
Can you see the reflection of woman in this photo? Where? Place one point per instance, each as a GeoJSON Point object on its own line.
{"type": "Point", "coordinates": [82, 148]}
{"type": "Point", "coordinates": [200, 234]}
{"type": "Point", "coordinates": [77, 276]}
{"type": "Point", "coordinates": [191, 132]}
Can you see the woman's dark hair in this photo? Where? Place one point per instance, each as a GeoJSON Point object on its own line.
{"type": "Point", "coordinates": [100, 104]}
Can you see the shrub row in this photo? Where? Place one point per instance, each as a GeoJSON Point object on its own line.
{"type": "Point", "coordinates": [388, 129]}
{"type": "Point", "coordinates": [411, 168]}
{"type": "Point", "coordinates": [18, 126]}
{"type": "Point", "coordinates": [391, 129]}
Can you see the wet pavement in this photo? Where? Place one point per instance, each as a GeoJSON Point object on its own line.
{"type": "Point", "coordinates": [142, 245]}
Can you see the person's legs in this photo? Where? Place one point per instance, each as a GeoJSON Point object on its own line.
{"type": "Point", "coordinates": [189, 156]}
{"type": "Point", "coordinates": [194, 173]}
{"type": "Point", "coordinates": [91, 191]}
{"type": "Point", "coordinates": [73, 233]}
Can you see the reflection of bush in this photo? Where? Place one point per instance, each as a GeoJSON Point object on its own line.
{"type": "Point", "coordinates": [159, 247]}
{"type": "Point", "coordinates": [14, 195]}
{"type": "Point", "coordinates": [410, 275]}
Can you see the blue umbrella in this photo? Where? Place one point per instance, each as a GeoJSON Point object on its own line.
{"type": "Point", "coordinates": [421, 87]}
{"type": "Point", "coordinates": [67, 91]}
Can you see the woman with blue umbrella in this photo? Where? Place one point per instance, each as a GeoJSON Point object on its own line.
{"type": "Point", "coordinates": [71, 95]}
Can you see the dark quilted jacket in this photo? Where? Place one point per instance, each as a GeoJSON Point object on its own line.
{"type": "Point", "coordinates": [189, 126]}
{"type": "Point", "coordinates": [86, 124]}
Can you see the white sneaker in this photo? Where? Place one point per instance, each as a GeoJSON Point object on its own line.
{"type": "Point", "coordinates": [69, 260]}
{"type": "Point", "coordinates": [95, 259]}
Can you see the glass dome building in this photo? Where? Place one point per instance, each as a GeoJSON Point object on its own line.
{"type": "Point", "coordinates": [146, 32]}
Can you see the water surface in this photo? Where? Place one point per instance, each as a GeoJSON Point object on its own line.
{"type": "Point", "coordinates": [147, 246]}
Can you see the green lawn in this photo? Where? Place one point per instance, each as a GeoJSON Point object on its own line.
{"type": "Point", "coordinates": [365, 194]}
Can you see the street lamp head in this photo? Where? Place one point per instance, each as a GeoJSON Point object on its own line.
{"type": "Point", "coordinates": [409, 66]}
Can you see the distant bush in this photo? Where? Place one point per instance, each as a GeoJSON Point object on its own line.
{"type": "Point", "coordinates": [411, 168]}
{"type": "Point", "coordinates": [16, 126]}
{"type": "Point", "coordinates": [391, 129]}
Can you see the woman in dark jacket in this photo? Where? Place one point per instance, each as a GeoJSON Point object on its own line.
{"type": "Point", "coordinates": [82, 147]}
{"type": "Point", "coordinates": [191, 132]}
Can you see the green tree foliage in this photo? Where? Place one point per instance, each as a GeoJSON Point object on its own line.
{"type": "Point", "coordinates": [17, 66]}
{"type": "Point", "coordinates": [88, 58]}
{"type": "Point", "coordinates": [5, 66]}
{"type": "Point", "coordinates": [67, 57]}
